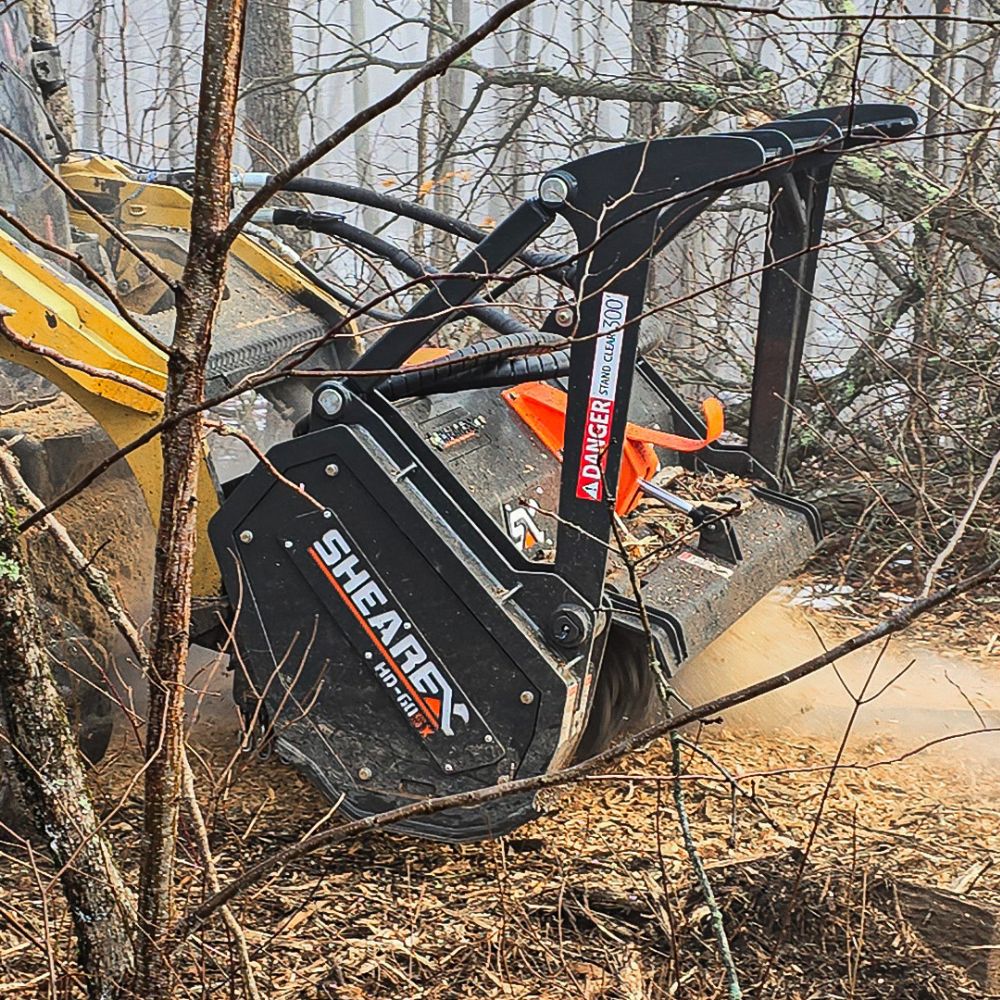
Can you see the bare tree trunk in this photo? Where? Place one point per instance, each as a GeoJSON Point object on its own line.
{"type": "Point", "coordinates": [175, 84]}
{"type": "Point", "coordinates": [272, 112]}
{"type": "Point", "coordinates": [427, 126]}
{"type": "Point", "coordinates": [452, 90]}
{"type": "Point", "coordinates": [50, 773]}
{"type": "Point", "coordinates": [93, 81]}
{"type": "Point", "coordinates": [522, 57]}
{"type": "Point", "coordinates": [197, 301]}
{"type": "Point", "coordinates": [362, 98]}
{"type": "Point", "coordinates": [60, 104]}
{"type": "Point", "coordinates": [937, 98]}
{"type": "Point", "coordinates": [649, 41]}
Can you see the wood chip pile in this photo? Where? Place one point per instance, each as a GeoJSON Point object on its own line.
{"type": "Point", "coordinates": [593, 900]}
{"type": "Point", "coordinates": [654, 529]}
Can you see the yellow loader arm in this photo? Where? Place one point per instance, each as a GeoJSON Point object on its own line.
{"type": "Point", "coordinates": [52, 310]}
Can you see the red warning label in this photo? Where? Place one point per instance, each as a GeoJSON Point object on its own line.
{"type": "Point", "coordinates": [601, 404]}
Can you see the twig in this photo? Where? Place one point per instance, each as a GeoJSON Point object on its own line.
{"type": "Point", "coordinates": [190, 794]}
{"type": "Point", "coordinates": [64, 361]}
{"type": "Point", "coordinates": [963, 523]}
{"type": "Point", "coordinates": [704, 883]}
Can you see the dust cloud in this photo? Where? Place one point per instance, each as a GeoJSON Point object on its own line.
{"type": "Point", "coordinates": [928, 694]}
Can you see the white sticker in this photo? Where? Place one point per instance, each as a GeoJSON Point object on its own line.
{"type": "Point", "coordinates": [601, 404]}
{"type": "Point", "coordinates": [706, 564]}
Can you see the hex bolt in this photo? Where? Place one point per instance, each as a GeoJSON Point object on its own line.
{"type": "Point", "coordinates": [246, 537]}
{"type": "Point", "coordinates": [332, 469]}
{"type": "Point", "coordinates": [330, 401]}
{"type": "Point", "coordinates": [554, 190]}
{"type": "Point", "coordinates": [564, 316]}
{"type": "Point", "coordinates": [365, 773]}
{"type": "Point", "coordinates": [527, 697]}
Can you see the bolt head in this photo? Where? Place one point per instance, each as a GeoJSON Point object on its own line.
{"type": "Point", "coordinates": [246, 537]}
{"type": "Point", "coordinates": [487, 738]}
{"type": "Point", "coordinates": [564, 316]}
{"type": "Point", "coordinates": [332, 469]}
{"type": "Point", "coordinates": [330, 401]}
{"type": "Point", "coordinates": [554, 190]}
{"type": "Point", "coordinates": [449, 768]}
{"type": "Point", "coordinates": [527, 697]}
{"type": "Point", "coordinates": [365, 773]}
{"type": "Point", "coordinates": [288, 543]}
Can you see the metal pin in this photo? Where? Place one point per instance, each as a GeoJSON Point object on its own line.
{"type": "Point", "coordinates": [670, 499]}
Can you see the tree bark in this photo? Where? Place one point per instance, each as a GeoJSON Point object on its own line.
{"type": "Point", "coordinates": [175, 75]}
{"type": "Point", "coordinates": [50, 773]}
{"type": "Point", "coordinates": [93, 80]}
{"type": "Point", "coordinates": [362, 98]}
{"type": "Point", "coordinates": [197, 301]}
{"type": "Point", "coordinates": [272, 113]}
{"type": "Point", "coordinates": [649, 40]}
{"type": "Point", "coordinates": [60, 104]}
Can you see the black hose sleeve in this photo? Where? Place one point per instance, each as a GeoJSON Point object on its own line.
{"type": "Point", "coordinates": [498, 361]}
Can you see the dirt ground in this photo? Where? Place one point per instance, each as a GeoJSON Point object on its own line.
{"type": "Point", "coordinates": [596, 899]}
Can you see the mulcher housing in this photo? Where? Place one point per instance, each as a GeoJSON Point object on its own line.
{"type": "Point", "coordinates": [394, 638]}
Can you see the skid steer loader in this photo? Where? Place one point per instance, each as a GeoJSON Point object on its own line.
{"type": "Point", "coordinates": [431, 585]}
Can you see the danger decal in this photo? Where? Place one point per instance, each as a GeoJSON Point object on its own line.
{"type": "Point", "coordinates": [401, 660]}
{"type": "Point", "coordinates": [601, 403]}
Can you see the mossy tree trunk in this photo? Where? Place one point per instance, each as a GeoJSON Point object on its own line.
{"type": "Point", "coordinates": [50, 773]}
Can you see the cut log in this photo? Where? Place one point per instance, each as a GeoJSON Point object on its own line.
{"type": "Point", "coordinates": [959, 931]}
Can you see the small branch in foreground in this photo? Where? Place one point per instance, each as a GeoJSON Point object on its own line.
{"type": "Point", "coordinates": [704, 883]}
{"type": "Point", "coordinates": [963, 523]}
{"type": "Point", "coordinates": [262, 869]}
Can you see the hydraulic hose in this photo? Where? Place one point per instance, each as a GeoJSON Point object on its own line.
{"type": "Point", "coordinates": [553, 265]}
{"type": "Point", "coordinates": [405, 263]}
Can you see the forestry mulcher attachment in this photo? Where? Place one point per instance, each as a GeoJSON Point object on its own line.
{"type": "Point", "coordinates": [428, 588]}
